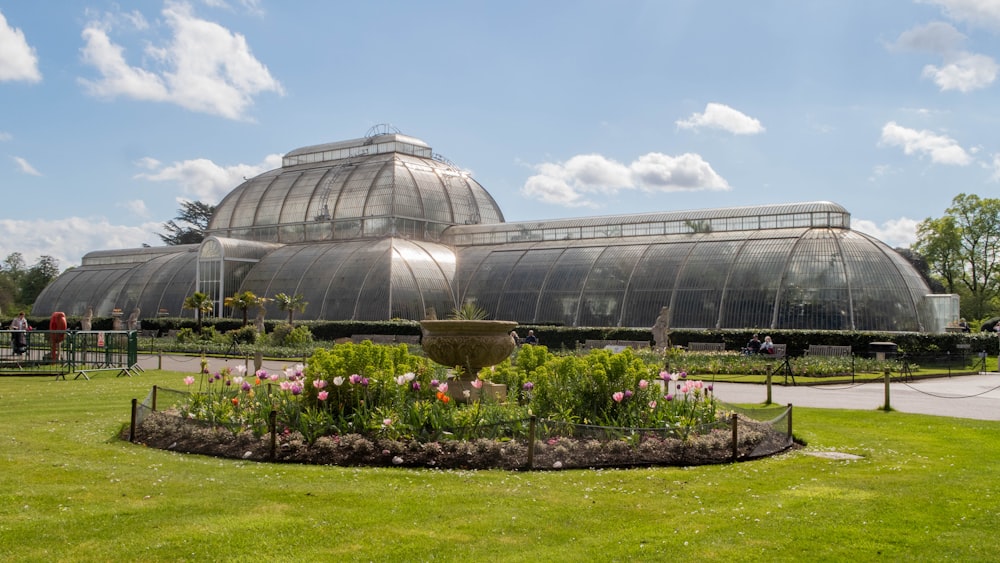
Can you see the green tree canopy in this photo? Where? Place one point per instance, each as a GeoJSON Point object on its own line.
{"type": "Point", "coordinates": [201, 303]}
{"type": "Point", "coordinates": [291, 303]}
{"type": "Point", "coordinates": [243, 301]}
{"type": "Point", "coordinates": [190, 225]}
{"type": "Point", "coordinates": [962, 251]}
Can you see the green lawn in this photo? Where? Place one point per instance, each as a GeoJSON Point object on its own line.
{"type": "Point", "coordinates": [927, 489]}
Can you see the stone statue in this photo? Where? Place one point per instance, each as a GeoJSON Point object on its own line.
{"type": "Point", "coordinates": [661, 328]}
{"type": "Point", "coordinates": [133, 319]}
{"type": "Point", "coordinates": [258, 323]}
{"type": "Point", "coordinates": [87, 321]}
{"type": "Point", "coordinates": [430, 314]}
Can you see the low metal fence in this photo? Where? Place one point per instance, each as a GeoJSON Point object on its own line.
{"type": "Point", "coordinates": [62, 352]}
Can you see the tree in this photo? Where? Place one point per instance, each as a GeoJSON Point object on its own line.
{"type": "Point", "coordinates": [37, 277]}
{"type": "Point", "coordinates": [201, 303]}
{"type": "Point", "coordinates": [920, 264]}
{"type": "Point", "coordinates": [190, 225]}
{"type": "Point", "coordinates": [962, 250]}
{"type": "Point", "coordinates": [243, 301]}
{"type": "Point", "coordinates": [291, 303]}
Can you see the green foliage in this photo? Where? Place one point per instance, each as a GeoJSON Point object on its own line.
{"type": "Point", "coordinates": [291, 336]}
{"type": "Point", "coordinates": [469, 311]}
{"type": "Point", "coordinates": [73, 493]}
{"type": "Point", "coordinates": [963, 252]}
{"type": "Point", "coordinates": [21, 285]}
{"type": "Point", "coordinates": [243, 335]}
{"type": "Point", "coordinates": [291, 304]}
{"type": "Point", "coordinates": [190, 224]}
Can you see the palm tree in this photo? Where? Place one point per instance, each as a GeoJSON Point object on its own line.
{"type": "Point", "coordinates": [201, 303]}
{"type": "Point", "coordinates": [243, 301]}
{"type": "Point", "coordinates": [291, 303]}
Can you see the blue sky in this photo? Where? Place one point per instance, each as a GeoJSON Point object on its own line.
{"type": "Point", "coordinates": [112, 113]}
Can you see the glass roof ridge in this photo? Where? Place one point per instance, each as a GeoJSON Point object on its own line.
{"type": "Point", "coordinates": [818, 214]}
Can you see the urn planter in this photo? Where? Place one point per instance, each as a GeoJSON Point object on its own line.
{"type": "Point", "coordinates": [470, 344]}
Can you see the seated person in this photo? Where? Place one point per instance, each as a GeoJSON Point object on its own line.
{"type": "Point", "coordinates": [767, 347]}
{"type": "Point", "coordinates": [752, 347]}
{"type": "Point", "coordinates": [531, 338]}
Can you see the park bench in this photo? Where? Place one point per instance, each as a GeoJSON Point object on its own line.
{"type": "Point", "coordinates": [706, 346]}
{"type": "Point", "coordinates": [780, 350]}
{"type": "Point", "coordinates": [615, 344]}
{"type": "Point", "coordinates": [824, 350]}
{"type": "Point", "coordinates": [386, 338]}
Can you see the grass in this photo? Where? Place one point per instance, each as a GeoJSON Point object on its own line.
{"type": "Point", "coordinates": [69, 490]}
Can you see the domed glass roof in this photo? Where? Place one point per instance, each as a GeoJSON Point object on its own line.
{"type": "Point", "coordinates": [385, 184]}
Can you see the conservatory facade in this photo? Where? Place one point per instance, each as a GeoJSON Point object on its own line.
{"type": "Point", "coordinates": [380, 227]}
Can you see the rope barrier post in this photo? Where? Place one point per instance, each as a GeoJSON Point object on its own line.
{"type": "Point", "coordinates": [159, 360]}
{"type": "Point", "coordinates": [531, 442]}
{"type": "Point", "coordinates": [768, 401]}
{"type": "Point", "coordinates": [131, 426]}
{"type": "Point", "coordinates": [272, 421]}
{"type": "Point", "coordinates": [886, 407]}
{"type": "Point", "coordinates": [789, 421]}
{"type": "Point", "coordinates": [154, 398]}
{"type": "Point", "coordinates": [736, 437]}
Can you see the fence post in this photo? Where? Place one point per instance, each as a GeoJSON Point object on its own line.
{"type": "Point", "coordinates": [131, 426]}
{"type": "Point", "coordinates": [531, 442]}
{"type": "Point", "coordinates": [789, 420]}
{"type": "Point", "coordinates": [768, 401]}
{"type": "Point", "coordinates": [154, 398]}
{"type": "Point", "coordinates": [886, 407]}
{"type": "Point", "coordinates": [159, 360]}
{"type": "Point", "coordinates": [736, 437]}
{"type": "Point", "coordinates": [272, 421]}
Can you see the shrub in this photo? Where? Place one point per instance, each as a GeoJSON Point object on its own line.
{"type": "Point", "coordinates": [286, 335]}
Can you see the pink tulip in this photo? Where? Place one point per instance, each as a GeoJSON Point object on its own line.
{"type": "Point", "coordinates": [618, 396]}
{"type": "Point", "coordinates": [322, 395]}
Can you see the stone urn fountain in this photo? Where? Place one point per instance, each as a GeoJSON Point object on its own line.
{"type": "Point", "coordinates": [471, 345]}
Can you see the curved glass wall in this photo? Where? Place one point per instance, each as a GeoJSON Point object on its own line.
{"type": "Point", "coordinates": [805, 278]}
{"type": "Point", "coordinates": [333, 192]}
{"type": "Point", "coordinates": [157, 285]}
{"type": "Point", "coordinates": [360, 280]}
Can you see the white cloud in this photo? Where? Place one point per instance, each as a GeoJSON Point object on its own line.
{"type": "Point", "coordinates": [965, 72]}
{"type": "Point", "coordinates": [68, 239]}
{"type": "Point", "coordinates": [26, 167]}
{"type": "Point", "coordinates": [897, 233]}
{"type": "Point", "coordinates": [5, 136]}
{"type": "Point", "coordinates": [18, 60]}
{"type": "Point", "coordinates": [936, 37]}
{"type": "Point", "coordinates": [984, 13]}
{"type": "Point", "coordinates": [136, 207]}
{"type": "Point", "coordinates": [721, 116]}
{"type": "Point", "coordinates": [996, 168]}
{"type": "Point", "coordinates": [960, 70]}
{"type": "Point", "coordinates": [201, 179]}
{"type": "Point", "coordinates": [575, 182]}
{"type": "Point", "coordinates": [940, 148]}
{"type": "Point", "coordinates": [205, 67]}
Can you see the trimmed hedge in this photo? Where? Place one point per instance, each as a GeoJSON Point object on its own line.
{"type": "Point", "coordinates": [571, 338]}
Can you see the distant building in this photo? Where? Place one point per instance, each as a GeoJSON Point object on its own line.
{"type": "Point", "coordinates": [380, 227]}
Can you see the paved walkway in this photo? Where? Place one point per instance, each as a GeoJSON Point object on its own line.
{"type": "Point", "coordinates": [967, 396]}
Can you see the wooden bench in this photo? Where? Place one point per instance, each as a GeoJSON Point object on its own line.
{"type": "Point", "coordinates": [823, 350]}
{"type": "Point", "coordinates": [706, 347]}
{"type": "Point", "coordinates": [616, 344]}
{"type": "Point", "coordinates": [386, 338]}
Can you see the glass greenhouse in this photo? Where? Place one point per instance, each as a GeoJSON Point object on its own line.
{"type": "Point", "coordinates": [381, 227]}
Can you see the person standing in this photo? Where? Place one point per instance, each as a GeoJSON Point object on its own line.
{"type": "Point", "coordinates": [19, 339]}
{"type": "Point", "coordinates": [20, 323]}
